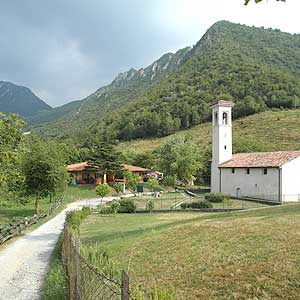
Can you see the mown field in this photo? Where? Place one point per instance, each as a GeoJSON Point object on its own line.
{"type": "Point", "coordinates": [13, 209]}
{"type": "Point", "coordinates": [251, 254]}
{"type": "Point", "coordinates": [271, 130]}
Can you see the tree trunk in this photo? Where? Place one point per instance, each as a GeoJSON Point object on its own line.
{"type": "Point", "coordinates": [37, 205]}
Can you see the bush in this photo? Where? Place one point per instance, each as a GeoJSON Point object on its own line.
{"type": "Point", "coordinates": [196, 205]}
{"type": "Point", "coordinates": [115, 206]}
{"type": "Point", "coordinates": [215, 197]}
{"type": "Point", "coordinates": [118, 187]}
{"type": "Point", "coordinates": [102, 190]}
{"type": "Point", "coordinates": [149, 205]}
{"type": "Point", "coordinates": [74, 218]}
{"type": "Point", "coordinates": [127, 206]}
{"type": "Point", "coordinates": [184, 205]}
{"type": "Point", "coordinates": [106, 210]}
{"type": "Point", "coordinates": [170, 180]}
{"type": "Point", "coordinates": [201, 204]}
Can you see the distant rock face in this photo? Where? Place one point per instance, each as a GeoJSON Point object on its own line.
{"type": "Point", "coordinates": [166, 63]}
{"type": "Point", "coordinates": [20, 100]}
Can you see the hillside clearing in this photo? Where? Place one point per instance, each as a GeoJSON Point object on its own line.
{"type": "Point", "coordinates": [272, 130]}
{"type": "Point", "coordinates": [246, 255]}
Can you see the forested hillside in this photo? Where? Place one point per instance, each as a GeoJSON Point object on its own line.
{"type": "Point", "coordinates": [258, 68]}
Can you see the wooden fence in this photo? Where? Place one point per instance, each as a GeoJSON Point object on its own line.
{"type": "Point", "coordinates": [16, 228]}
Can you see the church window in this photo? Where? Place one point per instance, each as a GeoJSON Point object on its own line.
{"type": "Point", "coordinates": [265, 171]}
{"type": "Point", "coordinates": [216, 118]}
{"type": "Point", "coordinates": [225, 118]}
{"type": "Point", "coordinates": [225, 147]}
{"type": "Point", "coordinates": [233, 170]}
{"type": "Point", "coordinates": [248, 171]}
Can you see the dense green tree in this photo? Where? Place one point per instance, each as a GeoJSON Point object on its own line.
{"type": "Point", "coordinates": [106, 158]}
{"type": "Point", "coordinates": [179, 157]}
{"type": "Point", "coordinates": [10, 148]}
{"type": "Point", "coordinates": [131, 180]}
{"type": "Point", "coordinates": [43, 168]}
{"type": "Point", "coordinates": [248, 106]}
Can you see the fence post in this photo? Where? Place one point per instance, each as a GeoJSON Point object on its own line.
{"type": "Point", "coordinates": [77, 269]}
{"type": "Point", "coordinates": [125, 286]}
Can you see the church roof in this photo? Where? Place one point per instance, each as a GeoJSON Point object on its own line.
{"type": "Point", "coordinates": [260, 159]}
{"type": "Point", "coordinates": [222, 103]}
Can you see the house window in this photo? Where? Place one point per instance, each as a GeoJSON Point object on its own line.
{"type": "Point", "coordinates": [225, 118]}
{"type": "Point", "coordinates": [248, 171]}
{"type": "Point", "coordinates": [233, 170]}
{"type": "Point", "coordinates": [265, 171]}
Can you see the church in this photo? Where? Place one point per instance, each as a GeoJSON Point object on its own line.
{"type": "Point", "coordinates": [272, 176]}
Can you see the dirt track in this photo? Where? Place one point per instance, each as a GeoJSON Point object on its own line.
{"type": "Point", "coordinates": [24, 262]}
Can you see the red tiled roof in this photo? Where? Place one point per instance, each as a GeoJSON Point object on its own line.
{"type": "Point", "coordinates": [260, 159]}
{"type": "Point", "coordinates": [79, 167]}
{"type": "Point", "coordinates": [135, 168]}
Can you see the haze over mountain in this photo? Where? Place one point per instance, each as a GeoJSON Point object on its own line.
{"type": "Point", "coordinates": [257, 67]}
{"type": "Point", "coordinates": [20, 100]}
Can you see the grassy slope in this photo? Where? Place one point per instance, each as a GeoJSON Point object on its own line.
{"type": "Point", "coordinates": [246, 255]}
{"type": "Point", "coordinates": [278, 130]}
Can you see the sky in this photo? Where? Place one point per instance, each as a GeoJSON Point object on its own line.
{"type": "Point", "coordinates": [64, 50]}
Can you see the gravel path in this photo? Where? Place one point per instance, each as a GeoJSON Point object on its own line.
{"type": "Point", "coordinates": [24, 262]}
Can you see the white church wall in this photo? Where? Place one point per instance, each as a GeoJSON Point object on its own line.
{"type": "Point", "coordinates": [291, 181]}
{"type": "Point", "coordinates": [256, 184]}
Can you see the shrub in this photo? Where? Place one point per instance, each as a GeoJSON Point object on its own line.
{"type": "Point", "coordinates": [118, 187]}
{"type": "Point", "coordinates": [102, 190]}
{"type": "Point", "coordinates": [74, 218]}
{"type": "Point", "coordinates": [106, 210]}
{"type": "Point", "coordinates": [170, 180]}
{"type": "Point", "coordinates": [149, 205]}
{"type": "Point", "coordinates": [127, 206]}
{"type": "Point", "coordinates": [196, 205]}
{"type": "Point", "coordinates": [184, 205]}
{"type": "Point", "coordinates": [115, 206]}
{"type": "Point", "coordinates": [201, 204]}
{"type": "Point", "coordinates": [215, 197]}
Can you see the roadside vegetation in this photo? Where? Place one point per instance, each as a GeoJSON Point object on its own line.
{"type": "Point", "coordinates": [16, 209]}
{"type": "Point", "coordinates": [241, 255]}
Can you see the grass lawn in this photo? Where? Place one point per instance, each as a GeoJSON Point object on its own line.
{"type": "Point", "coordinates": [13, 210]}
{"type": "Point", "coordinates": [242, 255]}
{"type": "Point", "coordinates": [172, 200]}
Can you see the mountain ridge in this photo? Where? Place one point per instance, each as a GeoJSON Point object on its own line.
{"type": "Point", "coordinates": [257, 67]}
{"type": "Point", "coordinates": [20, 99]}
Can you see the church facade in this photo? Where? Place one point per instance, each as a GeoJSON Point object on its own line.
{"type": "Point", "coordinates": [273, 176]}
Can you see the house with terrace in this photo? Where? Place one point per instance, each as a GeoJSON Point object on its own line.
{"type": "Point", "coordinates": [87, 173]}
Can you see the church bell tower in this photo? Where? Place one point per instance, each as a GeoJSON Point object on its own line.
{"type": "Point", "coordinates": [221, 139]}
